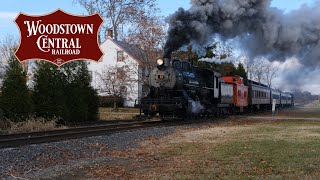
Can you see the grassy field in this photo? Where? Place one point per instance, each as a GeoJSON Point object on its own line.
{"type": "Point", "coordinates": [118, 114]}
{"type": "Point", "coordinates": [274, 150]}
{"type": "Point", "coordinates": [236, 149]}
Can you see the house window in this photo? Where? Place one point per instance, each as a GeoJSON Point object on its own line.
{"type": "Point", "coordinates": [123, 90]}
{"type": "Point", "coordinates": [120, 56]}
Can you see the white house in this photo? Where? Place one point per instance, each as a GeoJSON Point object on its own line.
{"type": "Point", "coordinates": [125, 58]}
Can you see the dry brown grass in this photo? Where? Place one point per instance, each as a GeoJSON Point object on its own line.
{"type": "Point", "coordinates": [118, 114]}
{"type": "Point", "coordinates": [30, 125]}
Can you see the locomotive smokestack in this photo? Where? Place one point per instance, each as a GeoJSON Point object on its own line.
{"type": "Point", "coordinates": [167, 58]}
{"type": "Point", "coordinates": [167, 61]}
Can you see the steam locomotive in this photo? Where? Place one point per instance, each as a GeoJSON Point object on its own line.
{"type": "Point", "coordinates": [180, 90]}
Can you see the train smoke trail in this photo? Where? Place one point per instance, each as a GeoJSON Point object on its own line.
{"type": "Point", "coordinates": [261, 29]}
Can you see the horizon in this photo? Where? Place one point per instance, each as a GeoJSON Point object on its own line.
{"type": "Point", "coordinates": [11, 9]}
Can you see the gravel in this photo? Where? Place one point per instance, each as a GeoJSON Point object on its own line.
{"type": "Point", "coordinates": [49, 160]}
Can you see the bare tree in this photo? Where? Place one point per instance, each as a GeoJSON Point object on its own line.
{"type": "Point", "coordinates": [255, 68]}
{"type": "Point", "coordinates": [7, 48]}
{"type": "Point", "coordinates": [260, 70]}
{"type": "Point", "coordinates": [118, 14]}
{"type": "Point", "coordinates": [148, 34]}
{"type": "Point", "coordinates": [270, 73]}
{"type": "Point", "coordinates": [117, 81]}
{"type": "Point", "coordinates": [112, 83]}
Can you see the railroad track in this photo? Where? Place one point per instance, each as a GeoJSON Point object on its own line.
{"type": "Point", "coordinates": [15, 140]}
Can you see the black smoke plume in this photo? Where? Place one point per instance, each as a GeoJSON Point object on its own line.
{"type": "Point", "coordinates": [261, 29]}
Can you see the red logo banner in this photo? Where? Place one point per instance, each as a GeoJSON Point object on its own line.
{"type": "Point", "coordinates": [59, 37]}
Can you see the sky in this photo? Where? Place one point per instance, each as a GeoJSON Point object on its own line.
{"type": "Point", "coordinates": [10, 9]}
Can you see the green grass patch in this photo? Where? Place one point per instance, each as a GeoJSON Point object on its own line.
{"type": "Point", "coordinates": [278, 150]}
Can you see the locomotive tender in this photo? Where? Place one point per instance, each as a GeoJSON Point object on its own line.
{"type": "Point", "coordinates": [180, 90]}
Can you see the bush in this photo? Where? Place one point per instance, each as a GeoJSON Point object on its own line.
{"type": "Point", "coordinates": [33, 124]}
{"type": "Point", "coordinates": [108, 101]}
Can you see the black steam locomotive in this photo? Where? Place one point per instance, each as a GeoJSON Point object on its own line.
{"type": "Point", "coordinates": [181, 90]}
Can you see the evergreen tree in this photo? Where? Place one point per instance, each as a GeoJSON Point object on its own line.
{"type": "Point", "coordinates": [65, 92]}
{"type": "Point", "coordinates": [15, 99]}
{"type": "Point", "coordinates": [82, 99]}
{"type": "Point", "coordinates": [240, 71]}
{"type": "Point", "coordinates": [49, 96]}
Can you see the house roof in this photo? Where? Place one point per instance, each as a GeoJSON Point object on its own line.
{"type": "Point", "coordinates": [135, 52]}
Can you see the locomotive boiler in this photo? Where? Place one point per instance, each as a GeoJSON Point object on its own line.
{"type": "Point", "coordinates": [180, 90]}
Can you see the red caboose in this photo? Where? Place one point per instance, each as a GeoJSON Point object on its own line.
{"type": "Point", "coordinates": [240, 91]}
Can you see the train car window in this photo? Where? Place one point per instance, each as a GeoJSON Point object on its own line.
{"type": "Point", "coordinates": [217, 82]}
{"type": "Point", "coordinates": [245, 94]}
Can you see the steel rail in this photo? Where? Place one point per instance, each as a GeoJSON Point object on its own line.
{"type": "Point", "coordinates": [15, 140]}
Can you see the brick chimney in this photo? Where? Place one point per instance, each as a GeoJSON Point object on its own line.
{"type": "Point", "coordinates": [110, 33]}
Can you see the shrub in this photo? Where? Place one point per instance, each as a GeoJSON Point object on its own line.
{"type": "Point", "coordinates": [34, 124]}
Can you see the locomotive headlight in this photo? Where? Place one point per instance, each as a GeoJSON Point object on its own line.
{"type": "Point", "coordinates": [160, 62]}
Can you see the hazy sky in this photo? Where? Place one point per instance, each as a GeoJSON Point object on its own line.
{"type": "Point", "coordinates": [10, 9]}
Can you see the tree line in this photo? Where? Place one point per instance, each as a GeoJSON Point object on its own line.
{"type": "Point", "coordinates": [64, 93]}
